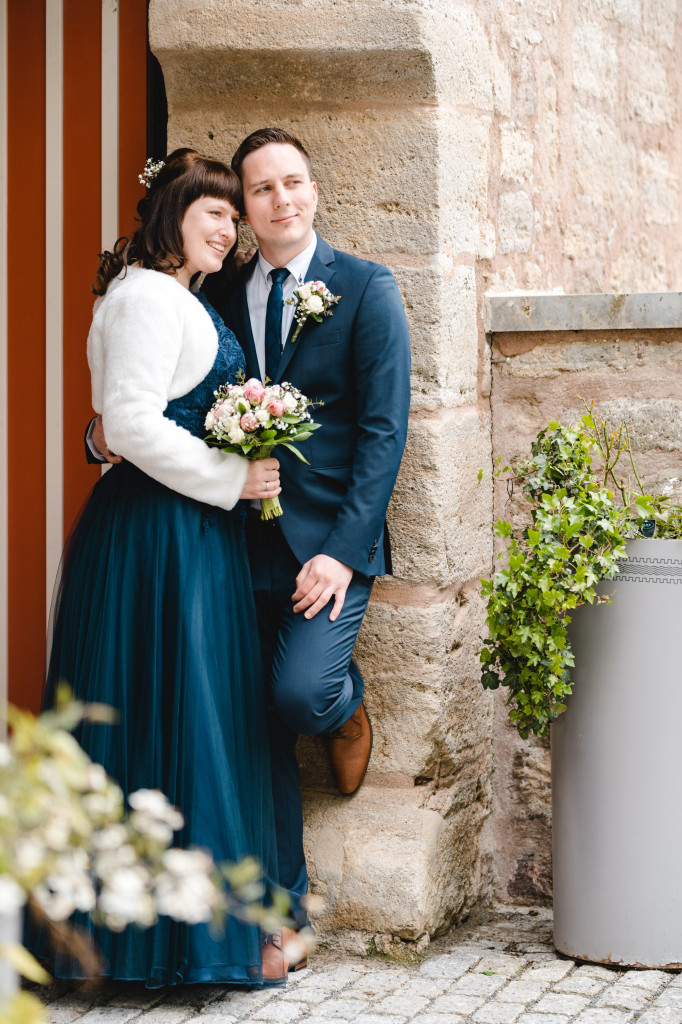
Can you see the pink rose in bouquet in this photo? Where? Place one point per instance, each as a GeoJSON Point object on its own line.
{"type": "Point", "coordinates": [222, 409]}
{"type": "Point", "coordinates": [248, 422]}
{"type": "Point", "coordinates": [276, 408]}
{"type": "Point", "coordinates": [254, 391]}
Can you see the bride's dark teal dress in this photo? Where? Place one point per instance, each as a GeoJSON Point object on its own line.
{"type": "Point", "coordinates": [154, 615]}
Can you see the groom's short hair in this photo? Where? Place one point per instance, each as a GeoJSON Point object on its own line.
{"type": "Point", "coordinates": [262, 137]}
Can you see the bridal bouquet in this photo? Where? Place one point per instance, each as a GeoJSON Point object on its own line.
{"type": "Point", "coordinates": [251, 418]}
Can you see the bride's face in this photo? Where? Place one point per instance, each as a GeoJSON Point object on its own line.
{"type": "Point", "coordinates": [209, 230]}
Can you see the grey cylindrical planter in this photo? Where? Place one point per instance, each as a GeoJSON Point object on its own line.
{"type": "Point", "coordinates": [10, 931]}
{"type": "Point", "coordinates": [617, 771]}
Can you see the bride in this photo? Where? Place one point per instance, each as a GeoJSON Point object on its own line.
{"type": "Point", "coordinates": [154, 612]}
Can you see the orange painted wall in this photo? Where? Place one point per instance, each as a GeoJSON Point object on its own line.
{"type": "Point", "coordinates": [26, 281]}
{"type": "Point", "coordinates": [26, 346]}
{"type": "Point", "coordinates": [82, 234]}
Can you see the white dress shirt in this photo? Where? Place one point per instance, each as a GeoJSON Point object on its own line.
{"type": "Point", "coordinates": [258, 288]}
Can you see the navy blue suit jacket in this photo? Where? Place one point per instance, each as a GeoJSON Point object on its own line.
{"type": "Point", "coordinates": [356, 361]}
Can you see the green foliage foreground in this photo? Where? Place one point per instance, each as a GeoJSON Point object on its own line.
{"type": "Point", "coordinates": [577, 536]}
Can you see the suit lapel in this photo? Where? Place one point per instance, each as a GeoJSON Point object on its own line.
{"type": "Point", "coordinates": [321, 269]}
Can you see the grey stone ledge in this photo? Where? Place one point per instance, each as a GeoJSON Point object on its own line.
{"type": "Point", "coordinates": [598, 312]}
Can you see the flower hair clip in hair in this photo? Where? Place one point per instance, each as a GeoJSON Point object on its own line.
{"type": "Point", "coordinates": [151, 169]}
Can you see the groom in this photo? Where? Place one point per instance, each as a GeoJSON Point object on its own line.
{"type": "Point", "coordinates": [313, 568]}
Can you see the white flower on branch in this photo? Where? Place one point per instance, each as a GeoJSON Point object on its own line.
{"type": "Point", "coordinates": [67, 887]}
{"type": "Point", "coordinates": [126, 898]}
{"type": "Point", "coordinates": [185, 891]}
{"type": "Point", "coordinates": [153, 815]}
{"type": "Point", "coordinates": [110, 838]}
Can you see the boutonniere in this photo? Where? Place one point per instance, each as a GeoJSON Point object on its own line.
{"type": "Point", "coordinates": [312, 298]}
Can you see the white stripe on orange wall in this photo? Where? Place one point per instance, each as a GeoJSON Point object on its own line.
{"type": "Point", "coordinates": [54, 283]}
{"type": "Point", "coordinates": [109, 123]}
{"type": "Point", "coordinates": [3, 361]}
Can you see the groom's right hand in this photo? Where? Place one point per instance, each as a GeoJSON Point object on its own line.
{"type": "Point", "coordinates": [100, 443]}
{"type": "Point", "coordinates": [242, 257]}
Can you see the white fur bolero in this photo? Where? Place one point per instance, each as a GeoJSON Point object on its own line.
{"type": "Point", "coordinates": [152, 341]}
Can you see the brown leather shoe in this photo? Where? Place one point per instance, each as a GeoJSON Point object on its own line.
{"type": "Point", "coordinates": [295, 950]}
{"type": "Point", "coordinates": [349, 748]}
{"type": "Point", "coordinates": [274, 964]}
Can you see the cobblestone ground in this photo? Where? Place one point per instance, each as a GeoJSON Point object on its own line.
{"type": "Point", "coordinates": [501, 970]}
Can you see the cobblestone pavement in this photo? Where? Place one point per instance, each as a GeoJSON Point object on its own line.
{"type": "Point", "coordinates": [500, 970]}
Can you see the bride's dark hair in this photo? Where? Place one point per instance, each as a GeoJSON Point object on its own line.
{"type": "Point", "coordinates": [157, 244]}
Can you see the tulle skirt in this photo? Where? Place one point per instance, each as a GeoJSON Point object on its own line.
{"type": "Point", "coordinates": [154, 615]}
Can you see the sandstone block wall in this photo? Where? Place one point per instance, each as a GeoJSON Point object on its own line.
{"type": "Point", "coordinates": [376, 91]}
{"type": "Point", "coordinates": [473, 146]}
{"type": "Point", "coordinates": [584, 189]}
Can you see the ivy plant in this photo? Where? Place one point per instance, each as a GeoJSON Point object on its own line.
{"type": "Point", "coordinates": [575, 540]}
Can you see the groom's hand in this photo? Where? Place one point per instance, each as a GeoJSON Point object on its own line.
{"type": "Point", "coordinates": [100, 443]}
{"type": "Point", "coordinates": [320, 579]}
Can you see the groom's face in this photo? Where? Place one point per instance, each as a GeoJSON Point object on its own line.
{"type": "Point", "coordinates": [280, 200]}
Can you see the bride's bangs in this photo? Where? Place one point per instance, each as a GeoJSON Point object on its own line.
{"type": "Point", "coordinates": [212, 178]}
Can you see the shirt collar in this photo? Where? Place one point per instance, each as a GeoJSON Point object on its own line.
{"type": "Point", "coordinates": [297, 267]}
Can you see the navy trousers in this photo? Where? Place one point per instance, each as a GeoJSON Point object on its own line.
{"type": "Point", "coordinates": [315, 686]}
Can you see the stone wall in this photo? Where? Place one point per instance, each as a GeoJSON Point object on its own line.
{"type": "Point", "coordinates": [584, 196]}
{"type": "Point", "coordinates": [376, 92]}
{"type": "Point", "coordinates": [472, 147]}
{"type": "Point", "coordinates": [585, 152]}
{"type": "Point", "coordinates": [630, 374]}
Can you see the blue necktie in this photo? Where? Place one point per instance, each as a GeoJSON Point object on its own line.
{"type": "Point", "coordinates": [273, 322]}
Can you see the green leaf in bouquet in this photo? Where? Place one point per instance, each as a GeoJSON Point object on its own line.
{"type": "Point", "coordinates": [268, 435]}
{"type": "Point", "coordinates": [287, 444]}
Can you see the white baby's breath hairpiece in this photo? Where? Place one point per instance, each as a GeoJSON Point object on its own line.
{"type": "Point", "coordinates": [151, 169]}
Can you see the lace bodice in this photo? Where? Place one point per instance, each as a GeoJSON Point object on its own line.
{"type": "Point", "coordinates": [189, 411]}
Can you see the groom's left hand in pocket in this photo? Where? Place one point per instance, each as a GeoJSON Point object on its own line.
{"type": "Point", "coordinates": [320, 579]}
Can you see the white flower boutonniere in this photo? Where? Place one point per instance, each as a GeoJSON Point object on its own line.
{"type": "Point", "coordinates": [314, 299]}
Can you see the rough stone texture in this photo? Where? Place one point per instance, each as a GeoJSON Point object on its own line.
{"type": "Point", "coordinates": [391, 860]}
{"type": "Point", "coordinates": [588, 136]}
{"type": "Point", "coordinates": [514, 222]}
{"type": "Point", "coordinates": [473, 147]}
{"type": "Point", "coordinates": [438, 511]}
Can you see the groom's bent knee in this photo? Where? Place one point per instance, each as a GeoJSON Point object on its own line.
{"type": "Point", "coordinates": [307, 703]}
